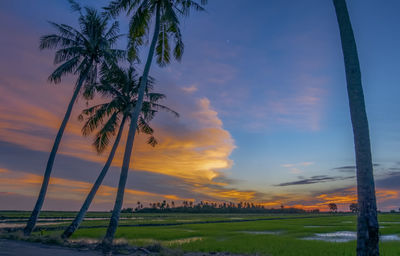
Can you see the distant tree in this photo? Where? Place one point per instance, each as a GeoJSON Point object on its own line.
{"type": "Point", "coordinates": [332, 207]}
{"type": "Point", "coordinates": [354, 207]}
{"type": "Point", "coordinates": [127, 210]}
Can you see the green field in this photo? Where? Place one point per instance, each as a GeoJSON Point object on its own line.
{"type": "Point", "coordinates": [267, 234]}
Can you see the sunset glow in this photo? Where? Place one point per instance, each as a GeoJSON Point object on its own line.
{"type": "Point", "coordinates": [263, 117]}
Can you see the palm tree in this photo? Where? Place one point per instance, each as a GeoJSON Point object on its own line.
{"type": "Point", "coordinates": [122, 86]}
{"type": "Point", "coordinates": [367, 223]}
{"type": "Point", "coordinates": [79, 52]}
{"type": "Point", "coordinates": [166, 25]}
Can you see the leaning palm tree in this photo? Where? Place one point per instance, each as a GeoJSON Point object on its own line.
{"type": "Point", "coordinates": [122, 87]}
{"type": "Point", "coordinates": [166, 25]}
{"type": "Point", "coordinates": [367, 223]}
{"type": "Point", "coordinates": [79, 52]}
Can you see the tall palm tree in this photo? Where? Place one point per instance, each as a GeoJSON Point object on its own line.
{"type": "Point", "coordinates": [79, 52]}
{"type": "Point", "coordinates": [166, 25]}
{"type": "Point", "coordinates": [367, 223]}
{"type": "Point", "coordinates": [122, 87]}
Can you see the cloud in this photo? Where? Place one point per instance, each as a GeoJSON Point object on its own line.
{"type": "Point", "coordinates": [300, 109]}
{"type": "Point", "coordinates": [193, 153]}
{"type": "Point", "coordinates": [141, 186]}
{"type": "Point", "coordinates": [314, 180]}
{"type": "Point", "coordinates": [297, 104]}
{"type": "Point", "coordinates": [391, 181]}
{"type": "Point", "coordinates": [294, 168]}
{"type": "Point", "coordinates": [350, 168]}
{"type": "Point", "coordinates": [26, 185]}
{"type": "Point", "coordinates": [343, 197]}
{"type": "Point", "coordinates": [297, 164]}
{"type": "Point", "coordinates": [196, 146]}
{"type": "Point", "coordinates": [190, 89]}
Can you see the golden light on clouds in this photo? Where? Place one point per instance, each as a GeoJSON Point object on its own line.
{"type": "Point", "coordinates": [195, 150]}
{"type": "Point", "coordinates": [27, 184]}
{"type": "Point", "coordinates": [343, 199]}
{"type": "Point", "coordinates": [197, 153]}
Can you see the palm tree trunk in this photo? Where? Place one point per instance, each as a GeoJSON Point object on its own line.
{"type": "Point", "coordinates": [46, 178]}
{"type": "Point", "coordinates": [367, 224]}
{"type": "Point", "coordinates": [79, 217]}
{"type": "Point", "coordinates": [112, 227]}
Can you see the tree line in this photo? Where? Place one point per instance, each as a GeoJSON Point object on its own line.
{"type": "Point", "coordinates": [88, 52]}
{"type": "Point", "coordinates": [211, 207]}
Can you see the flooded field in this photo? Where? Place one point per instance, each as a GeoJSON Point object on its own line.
{"type": "Point", "coordinates": [271, 234]}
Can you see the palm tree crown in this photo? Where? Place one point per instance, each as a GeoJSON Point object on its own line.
{"type": "Point", "coordinates": [142, 12]}
{"type": "Point", "coordinates": [121, 85]}
{"type": "Point", "coordinates": [82, 51]}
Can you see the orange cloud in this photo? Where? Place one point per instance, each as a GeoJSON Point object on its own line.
{"type": "Point", "coordinates": [26, 184]}
{"type": "Point", "coordinates": [386, 194]}
{"type": "Point", "coordinates": [343, 199]}
{"type": "Point", "coordinates": [195, 152]}
{"type": "Point", "coordinates": [338, 199]}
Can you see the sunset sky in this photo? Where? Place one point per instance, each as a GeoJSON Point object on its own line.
{"type": "Point", "coordinates": [263, 109]}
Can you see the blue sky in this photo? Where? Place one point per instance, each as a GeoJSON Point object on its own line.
{"type": "Point", "coordinates": [268, 76]}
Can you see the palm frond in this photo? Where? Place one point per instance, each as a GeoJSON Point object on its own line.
{"type": "Point", "coordinates": [96, 115]}
{"type": "Point", "coordinates": [179, 46]}
{"type": "Point", "coordinates": [113, 30]}
{"type": "Point", "coordinates": [108, 130]}
{"type": "Point", "coordinates": [75, 6]}
{"type": "Point", "coordinates": [152, 141]}
{"type": "Point", "coordinates": [165, 108]}
{"type": "Point", "coordinates": [138, 28]}
{"type": "Point", "coordinates": [184, 6]}
{"type": "Point", "coordinates": [116, 6]}
{"type": "Point", "coordinates": [67, 67]}
{"type": "Point", "coordinates": [144, 127]}
{"type": "Point", "coordinates": [54, 41]}
{"type": "Point", "coordinates": [65, 54]}
{"type": "Point", "coordinates": [162, 48]}
{"type": "Point", "coordinates": [155, 97]}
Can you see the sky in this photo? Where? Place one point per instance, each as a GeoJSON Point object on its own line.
{"type": "Point", "coordinates": [263, 106]}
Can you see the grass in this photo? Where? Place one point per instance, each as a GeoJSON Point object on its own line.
{"type": "Point", "coordinates": [235, 236]}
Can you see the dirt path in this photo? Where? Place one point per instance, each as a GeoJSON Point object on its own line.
{"type": "Point", "coordinates": [20, 248]}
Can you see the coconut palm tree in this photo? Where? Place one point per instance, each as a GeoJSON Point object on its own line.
{"type": "Point", "coordinates": [79, 52]}
{"type": "Point", "coordinates": [166, 25]}
{"type": "Point", "coordinates": [367, 223]}
{"type": "Point", "coordinates": [122, 87]}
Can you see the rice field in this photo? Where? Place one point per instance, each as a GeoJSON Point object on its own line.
{"type": "Point", "coordinates": [266, 234]}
